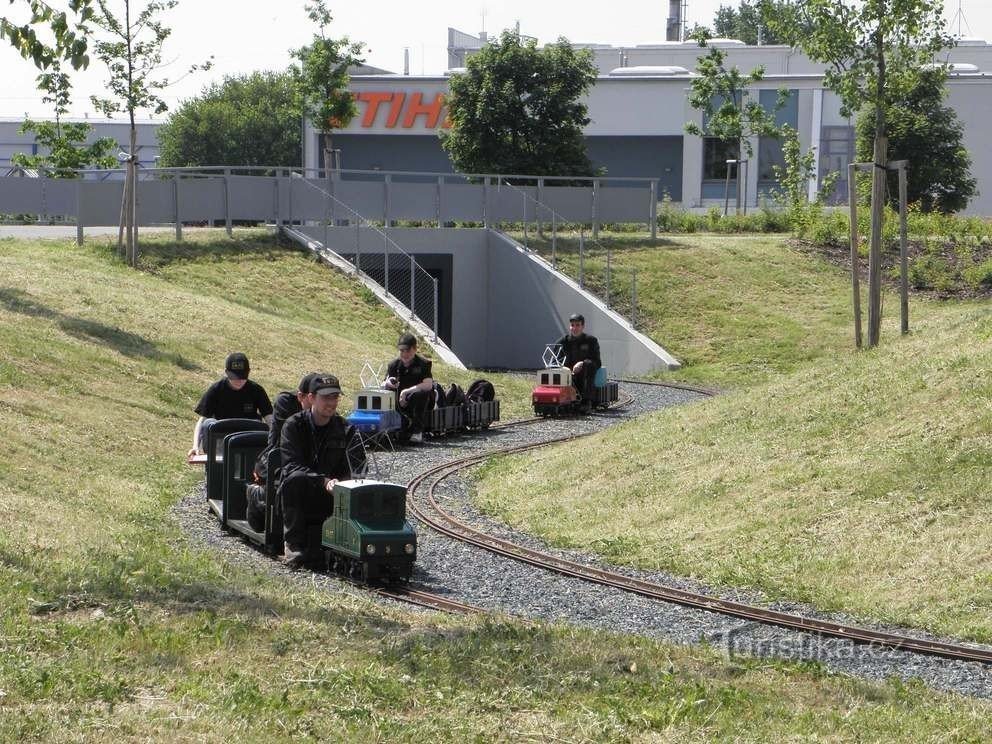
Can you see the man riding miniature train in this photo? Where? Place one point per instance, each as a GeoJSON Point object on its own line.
{"type": "Point", "coordinates": [581, 357]}
{"type": "Point", "coordinates": [410, 376]}
{"type": "Point", "coordinates": [232, 396]}
{"type": "Point", "coordinates": [318, 448]}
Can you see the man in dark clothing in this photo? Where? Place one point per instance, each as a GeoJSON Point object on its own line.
{"type": "Point", "coordinates": [318, 448]}
{"type": "Point", "coordinates": [286, 404]}
{"type": "Point", "coordinates": [410, 376]}
{"type": "Point", "coordinates": [582, 357]}
{"type": "Point", "coordinates": [232, 396]}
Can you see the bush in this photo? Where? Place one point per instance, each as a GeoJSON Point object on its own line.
{"type": "Point", "coordinates": [931, 272]}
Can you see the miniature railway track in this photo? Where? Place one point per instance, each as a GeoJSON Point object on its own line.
{"type": "Point", "coordinates": [426, 599]}
{"type": "Point", "coordinates": [432, 514]}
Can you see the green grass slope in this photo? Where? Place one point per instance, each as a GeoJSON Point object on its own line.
{"type": "Point", "coordinates": [856, 481]}
{"type": "Point", "coordinates": [734, 309]}
{"type": "Point", "coordinates": [114, 628]}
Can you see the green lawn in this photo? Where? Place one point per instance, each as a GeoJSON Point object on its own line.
{"type": "Point", "coordinates": [113, 628]}
{"type": "Point", "coordinates": [855, 481]}
{"type": "Point", "coordinates": [733, 309]}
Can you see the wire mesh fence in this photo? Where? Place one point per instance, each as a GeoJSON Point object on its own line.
{"type": "Point", "coordinates": [374, 254]}
{"type": "Point", "coordinates": [571, 250]}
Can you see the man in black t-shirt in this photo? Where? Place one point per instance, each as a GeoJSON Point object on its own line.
{"type": "Point", "coordinates": [318, 449]}
{"type": "Point", "coordinates": [410, 377]}
{"type": "Point", "coordinates": [232, 396]}
{"type": "Point", "coordinates": [582, 357]}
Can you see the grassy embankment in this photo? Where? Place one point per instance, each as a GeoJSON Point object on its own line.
{"type": "Point", "coordinates": [114, 628]}
{"type": "Point", "coordinates": [855, 481]}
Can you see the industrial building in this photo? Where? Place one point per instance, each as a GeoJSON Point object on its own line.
{"type": "Point", "coordinates": [638, 109]}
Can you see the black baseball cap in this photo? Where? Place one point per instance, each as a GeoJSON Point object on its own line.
{"type": "Point", "coordinates": [305, 382]}
{"type": "Point", "coordinates": [576, 318]}
{"type": "Point", "coordinates": [324, 383]}
{"type": "Point", "coordinates": [237, 365]}
{"type": "Point", "coordinates": [407, 340]}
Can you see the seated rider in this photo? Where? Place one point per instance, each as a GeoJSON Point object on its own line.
{"type": "Point", "coordinates": [410, 377]}
{"type": "Point", "coordinates": [582, 357]}
{"type": "Point", "coordinates": [318, 448]}
{"type": "Point", "coordinates": [286, 404]}
{"type": "Point", "coordinates": [232, 396]}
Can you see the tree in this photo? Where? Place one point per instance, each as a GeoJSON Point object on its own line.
{"type": "Point", "coordinates": [64, 152]}
{"type": "Point", "coordinates": [131, 49]}
{"type": "Point", "coordinates": [321, 77]}
{"type": "Point", "coordinates": [60, 44]}
{"type": "Point", "coordinates": [745, 23]}
{"type": "Point", "coordinates": [69, 40]}
{"type": "Point", "coordinates": [516, 109]}
{"type": "Point", "coordinates": [244, 120]}
{"type": "Point", "coordinates": [874, 51]}
{"type": "Point", "coordinates": [730, 112]}
{"type": "Point", "coordinates": [927, 134]}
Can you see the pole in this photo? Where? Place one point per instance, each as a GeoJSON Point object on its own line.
{"type": "Point", "coordinates": [175, 207]}
{"type": "Point", "coordinates": [747, 169]}
{"type": "Point", "coordinates": [385, 260]}
{"type": "Point", "coordinates": [435, 311]}
{"type": "Point", "coordinates": [358, 247]}
{"type": "Point", "coordinates": [413, 285]}
{"type": "Point", "coordinates": [653, 216]}
{"type": "Point", "coordinates": [227, 201]}
{"type": "Point", "coordinates": [852, 198]}
{"type": "Point", "coordinates": [524, 195]}
{"type": "Point", "coordinates": [633, 297]}
{"type": "Point", "coordinates": [726, 190]}
{"type": "Point", "coordinates": [554, 240]}
{"type": "Point", "coordinates": [607, 276]}
{"type": "Point", "coordinates": [79, 212]}
{"type": "Point", "coordinates": [595, 208]}
{"type": "Point", "coordinates": [582, 257]}
{"type": "Point", "coordinates": [875, 246]}
{"type": "Point", "coordinates": [903, 254]}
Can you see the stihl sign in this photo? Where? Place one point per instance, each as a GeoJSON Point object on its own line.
{"type": "Point", "coordinates": [393, 109]}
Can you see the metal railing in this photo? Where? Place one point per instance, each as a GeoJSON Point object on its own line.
{"type": "Point", "coordinates": [598, 277]}
{"type": "Point", "coordinates": [375, 255]}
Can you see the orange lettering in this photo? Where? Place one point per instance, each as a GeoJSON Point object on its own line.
{"type": "Point", "coordinates": [396, 110]}
{"type": "Point", "coordinates": [417, 107]}
{"type": "Point", "coordinates": [372, 102]}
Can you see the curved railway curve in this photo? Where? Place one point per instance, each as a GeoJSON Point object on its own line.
{"type": "Point", "coordinates": [422, 504]}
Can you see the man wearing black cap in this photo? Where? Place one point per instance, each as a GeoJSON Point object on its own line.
{"type": "Point", "coordinates": [286, 404]}
{"type": "Point", "coordinates": [318, 448]}
{"type": "Point", "coordinates": [410, 376]}
{"type": "Point", "coordinates": [582, 357]}
{"type": "Point", "coordinates": [232, 396]}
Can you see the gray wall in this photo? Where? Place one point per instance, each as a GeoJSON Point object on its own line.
{"type": "Point", "coordinates": [641, 157]}
{"type": "Point", "coordinates": [507, 304]}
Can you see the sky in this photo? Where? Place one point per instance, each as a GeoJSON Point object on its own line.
{"type": "Point", "coordinates": [248, 35]}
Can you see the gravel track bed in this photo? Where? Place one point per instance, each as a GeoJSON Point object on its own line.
{"type": "Point", "coordinates": [481, 578]}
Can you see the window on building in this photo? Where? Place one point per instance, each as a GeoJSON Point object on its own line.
{"type": "Point", "coordinates": [716, 153]}
{"type": "Point", "coordinates": [770, 148]}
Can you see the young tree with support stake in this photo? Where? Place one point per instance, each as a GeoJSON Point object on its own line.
{"type": "Point", "coordinates": [131, 48]}
{"type": "Point", "coordinates": [874, 51]}
{"type": "Point", "coordinates": [321, 78]}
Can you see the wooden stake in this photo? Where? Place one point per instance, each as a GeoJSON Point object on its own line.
{"type": "Point", "coordinates": [852, 198]}
{"type": "Point", "coordinates": [875, 247]}
{"type": "Point", "coordinates": [903, 252]}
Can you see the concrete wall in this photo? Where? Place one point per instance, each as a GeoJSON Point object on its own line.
{"type": "Point", "coordinates": [507, 303]}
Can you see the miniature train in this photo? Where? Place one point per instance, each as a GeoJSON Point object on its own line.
{"type": "Point", "coordinates": [367, 536]}
{"type": "Point", "coordinates": [376, 416]}
{"type": "Point", "coordinates": [555, 395]}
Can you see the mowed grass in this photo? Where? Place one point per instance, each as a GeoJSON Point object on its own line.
{"type": "Point", "coordinates": [114, 628]}
{"type": "Point", "coordinates": [855, 481]}
{"type": "Point", "coordinates": [733, 309]}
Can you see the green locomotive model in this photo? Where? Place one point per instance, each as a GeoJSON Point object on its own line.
{"type": "Point", "coordinates": [368, 535]}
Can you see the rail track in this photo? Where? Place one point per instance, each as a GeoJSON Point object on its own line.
{"type": "Point", "coordinates": [427, 509]}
